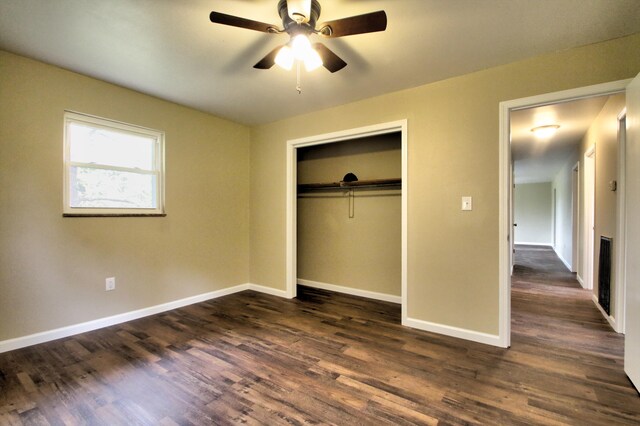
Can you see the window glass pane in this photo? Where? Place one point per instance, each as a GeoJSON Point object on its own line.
{"type": "Point", "coordinates": [103, 188]}
{"type": "Point", "coordinates": [110, 147]}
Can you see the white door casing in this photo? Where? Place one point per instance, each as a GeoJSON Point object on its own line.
{"type": "Point", "coordinates": [291, 211]}
{"type": "Point", "coordinates": [505, 228]}
{"type": "Point", "coordinates": [589, 216]}
{"type": "Point", "coordinates": [632, 318]}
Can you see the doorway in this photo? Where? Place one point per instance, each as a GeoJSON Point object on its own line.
{"type": "Point", "coordinates": [506, 162]}
{"type": "Point", "coordinates": [291, 212]}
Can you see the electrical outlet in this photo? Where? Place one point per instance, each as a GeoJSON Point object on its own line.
{"type": "Point", "coordinates": [110, 284]}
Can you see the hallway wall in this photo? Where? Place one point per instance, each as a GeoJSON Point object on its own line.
{"type": "Point", "coordinates": [603, 133]}
{"type": "Point", "coordinates": [563, 183]}
{"type": "Point", "coordinates": [533, 213]}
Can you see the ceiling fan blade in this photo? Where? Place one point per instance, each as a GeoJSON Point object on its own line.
{"type": "Point", "coordinates": [269, 60]}
{"type": "Point", "coordinates": [359, 24]}
{"type": "Point", "coordinates": [330, 60]}
{"type": "Point", "coordinates": [234, 21]}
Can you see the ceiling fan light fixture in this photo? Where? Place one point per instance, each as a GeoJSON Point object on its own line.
{"type": "Point", "coordinates": [545, 131]}
{"type": "Point", "coordinates": [285, 58]}
{"type": "Point", "coordinates": [299, 21]}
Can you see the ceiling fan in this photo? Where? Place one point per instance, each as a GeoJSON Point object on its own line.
{"type": "Point", "coordinates": [299, 21]}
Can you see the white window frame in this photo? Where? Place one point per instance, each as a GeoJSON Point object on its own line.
{"type": "Point", "coordinates": [158, 136]}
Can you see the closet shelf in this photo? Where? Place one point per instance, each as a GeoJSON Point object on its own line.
{"type": "Point", "coordinates": [360, 184]}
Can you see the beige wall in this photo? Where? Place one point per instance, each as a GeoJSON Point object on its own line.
{"type": "Point", "coordinates": [453, 152]}
{"type": "Point", "coordinates": [362, 252]}
{"type": "Point", "coordinates": [603, 133]}
{"type": "Point", "coordinates": [52, 269]}
{"type": "Point", "coordinates": [533, 213]}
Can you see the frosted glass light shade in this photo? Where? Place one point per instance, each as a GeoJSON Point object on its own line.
{"type": "Point", "coordinates": [301, 46]}
{"type": "Point", "coordinates": [312, 61]}
{"type": "Point", "coordinates": [299, 10]}
{"type": "Point", "coordinates": [285, 58]}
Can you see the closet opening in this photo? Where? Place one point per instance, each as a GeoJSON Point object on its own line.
{"type": "Point", "coordinates": [349, 216]}
{"type": "Point", "coordinates": [347, 213]}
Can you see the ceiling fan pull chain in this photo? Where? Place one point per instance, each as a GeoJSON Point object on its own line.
{"type": "Point", "coordinates": [298, 85]}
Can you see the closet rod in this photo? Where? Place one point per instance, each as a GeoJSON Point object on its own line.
{"type": "Point", "coordinates": [361, 184]}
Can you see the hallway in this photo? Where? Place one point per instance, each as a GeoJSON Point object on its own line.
{"type": "Point", "coordinates": [554, 314]}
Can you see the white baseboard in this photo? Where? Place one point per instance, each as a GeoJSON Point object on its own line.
{"type": "Point", "coordinates": [579, 278]}
{"type": "Point", "coordinates": [460, 333]}
{"type": "Point", "coordinates": [58, 333]}
{"type": "Point", "coordinates": [533, 244]}
{"type": "Point", "coordinates": [562, 259]}
{"type": "Point", "coordinates": [267, 290]}
{"type": "Point", "coordinates": [352, 291]}
{"type": "Point", "coordinates": [609, 318]}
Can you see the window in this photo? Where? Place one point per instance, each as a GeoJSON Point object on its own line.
{"type": "Point", "coordinates": [111, 168]}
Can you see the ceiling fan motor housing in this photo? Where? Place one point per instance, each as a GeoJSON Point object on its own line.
{"type": "Point", "coordinates": [292, 27]}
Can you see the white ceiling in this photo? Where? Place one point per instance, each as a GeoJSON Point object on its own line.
{"type": "Point", "coordinates": [170, 49]}
{"type": "Point", "coordinates": [540, 160]}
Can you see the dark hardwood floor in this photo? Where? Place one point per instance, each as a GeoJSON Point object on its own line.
{"type": "Point", "coordinates": [328, 358]}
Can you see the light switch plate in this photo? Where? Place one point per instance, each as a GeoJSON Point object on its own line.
{"type": "Point", "coordinates": [467, 203]}
{"type": "Point", "coordinates": [110, 284]}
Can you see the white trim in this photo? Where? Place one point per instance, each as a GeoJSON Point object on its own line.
{"type": "Point", "coordinates": [58, 333]}
{"type": "Point", "coordinates": [405, 222]}
{"type": "Point", "coordinates": [505, 108]}
{"type": "Point", "coordinates": [268, 290]}
{"type": "Point", "coordinates": [291, 238]}
{"type": "Point", "coordinates": [589, 191]}
{"type": "Point", "coordinates": [505, 233]}
{"type": "Point", "coordinates": [621, 244]}
{"type": "Point", "coordinates": [459, 333]}
{"type": "Point", "coordinates": [533, 244]}
{"type": "Point", "coordinates": [352, 291]}
{"type": "Point", "coordinates": [291, 220]}
{"type": "Point", "coordinates": [554, 218]}
{"type": "Point", "coordinates": [580, 281]}
{"type": "Point", "coordinates": [609, 318]}
{"type": "Point", "coordinates": [575, 217]}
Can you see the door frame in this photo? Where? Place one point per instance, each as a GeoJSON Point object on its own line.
{"type": "Point", "coordinates": [621, 231]}
{"type": "Point", "coordinates": [504, 233]}
{"type": "Point", "coordinates": [554, 220]}
{"type": "Point", "coordinates": [575, 217]}
{"type": "Point", "coordinates": [291, 211]}
{"type": "Point", "coordinates": [589, 177]}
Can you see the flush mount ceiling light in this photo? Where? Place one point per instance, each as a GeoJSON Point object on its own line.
{"type": "Point", "coordinates": [545, 131]}
{"type": "Point", "coordinates": [299, 18]}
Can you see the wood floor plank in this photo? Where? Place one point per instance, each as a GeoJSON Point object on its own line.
{"type": "Point", "coordinates": [328, 358]}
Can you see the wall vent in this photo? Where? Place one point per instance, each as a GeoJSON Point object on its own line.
{"type": "Point", "coordinates": [604, 274]}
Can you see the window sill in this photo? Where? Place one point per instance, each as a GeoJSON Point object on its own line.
{"type": "Point", "coordinates": [114, 215]}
